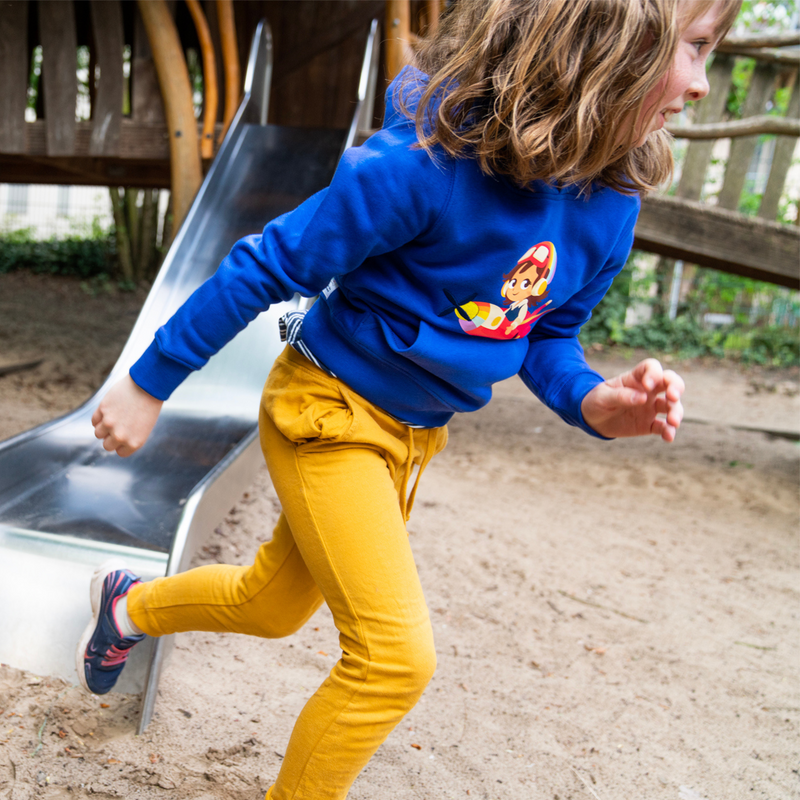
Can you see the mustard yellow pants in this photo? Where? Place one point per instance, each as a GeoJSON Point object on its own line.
{"type": "Point", "coordinates": [341, 468]}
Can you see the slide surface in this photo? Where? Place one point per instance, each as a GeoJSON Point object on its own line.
{"type": "Point", "coordinates": [66, 505]}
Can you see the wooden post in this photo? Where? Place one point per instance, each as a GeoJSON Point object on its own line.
{"type": "Point", "coordinates": [398, 33]}
{"type": "Point", "coordinates": [230, 57]}
{"type": "Point", "coordinates": [121, 231]}
{"type": "Point", "coordinates": [173, 78]}
{"type": "Point", "coordinates": [107, 111]}
{"type": "Point", "coordinates": [14, 66]}
{"type": "Point", "coordinates": [59, 74]}
{"type": "Point", "coordinates": [210, 96]}
{"type": "Point", "coordinates": [742, 149]}
{"type": "Point", "coordinates": [781, 161]}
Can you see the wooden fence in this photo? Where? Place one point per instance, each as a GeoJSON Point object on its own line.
{"type": "Point", "coordinates": [136, 148]}
{"type": "Point", "coordinates": [717, 235]}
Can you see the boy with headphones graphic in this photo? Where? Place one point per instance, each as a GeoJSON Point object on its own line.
{"type": "Point", "coordinates": [524, 288]}
{"type": "Point", "coordinates": [526, 285]}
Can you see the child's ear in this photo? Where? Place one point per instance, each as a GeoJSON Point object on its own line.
{"type": "Point", "coordinates": [504, 289]}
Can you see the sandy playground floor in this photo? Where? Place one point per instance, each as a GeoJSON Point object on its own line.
{"type": "Point", "coordinates": [613, 620]}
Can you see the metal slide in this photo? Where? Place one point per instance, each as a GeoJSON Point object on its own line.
{"type": "Point", "coordinates": [66, 505]}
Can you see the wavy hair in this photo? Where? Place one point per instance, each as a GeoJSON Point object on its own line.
{"type": "Point", "coordinates": [545, 89]}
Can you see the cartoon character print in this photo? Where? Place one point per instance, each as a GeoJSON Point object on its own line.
{"type": "Point", "coordinates": [524, 290]}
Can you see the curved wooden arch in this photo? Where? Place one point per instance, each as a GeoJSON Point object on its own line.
{"type": "Point", "coordinates": [173, 77]}
{"type": "Point", "coordinates": [210, 93]}
{"type": "Point", "coordinates": [230, 57]}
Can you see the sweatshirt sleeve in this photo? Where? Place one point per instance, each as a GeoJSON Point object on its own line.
{"type": "Point", "coordinates": [383, 194]}
{"type": "Point", "coordinates": [555, 367]}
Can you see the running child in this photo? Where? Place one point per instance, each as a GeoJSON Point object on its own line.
{"type": "Point", "coordinates": [528, 130]}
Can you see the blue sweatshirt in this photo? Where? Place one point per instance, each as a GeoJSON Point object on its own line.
{"type": "Point", "coordinates": [435, 281]}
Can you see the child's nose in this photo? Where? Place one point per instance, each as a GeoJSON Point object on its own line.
{"type": "Point", "coordinates": [698, 88]}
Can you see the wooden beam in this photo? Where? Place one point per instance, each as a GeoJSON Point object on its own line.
{"type": "Point", "coordinates": [790, 39]}
{"type": "Point", "coordinates": [85, 171]}
{"type": "Point", "coordinates": [752, 126]}
{"type": "Point", "coordinates": [107, 110]}
{"type": "Point", "coordinates": [137, 140]}
{"type": "Point", "coordinates": [59, 73]}
{"type": "Point", "coordinates": [14, 68]}
{"type": "Point", "coordinates": [720, 239]}
{"type": "Point", "coordinates": [768, 55]}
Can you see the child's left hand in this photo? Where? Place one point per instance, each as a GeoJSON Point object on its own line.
{"type": "Point", "coordinates": [645, 400]}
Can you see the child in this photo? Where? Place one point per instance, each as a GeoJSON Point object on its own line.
{"type": "Point", "coordinates": [528, 122]}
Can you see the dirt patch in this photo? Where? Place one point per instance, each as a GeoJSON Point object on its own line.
{"type": "Point", "coordinates": [613, 620]}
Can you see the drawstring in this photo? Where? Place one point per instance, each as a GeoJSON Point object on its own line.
{"type": "Point", "coordinates": [406, 499]}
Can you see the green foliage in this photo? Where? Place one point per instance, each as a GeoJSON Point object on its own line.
{"type": "Point", "coordinates": [760, 15]}
{"type": "Point", "coordinates": [684, 337]}
{"type": "Point", "coordinates": [608, 318]}
{"type": "Point", "coordinates": [84, 256]}
{"type": "Point", "coordinates": [741, 76]}
{"type": "Point", "coordinates": [33, 78]}
{"type": "Point", "coordinates": [771, 341]}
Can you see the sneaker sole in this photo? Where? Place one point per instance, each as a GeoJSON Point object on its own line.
{"type": "Point", "coordinates": [95, 595]}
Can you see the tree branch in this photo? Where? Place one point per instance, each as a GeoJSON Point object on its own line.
{"type": "Point", "coordinates": [760, 40]}
{"type": "Point", "coordinates": [751, 126]}
{"type": "Point", "coordinates": [773, 55]}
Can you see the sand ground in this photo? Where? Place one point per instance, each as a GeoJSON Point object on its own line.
{"type": "Point", "coordinates": [613, 620]}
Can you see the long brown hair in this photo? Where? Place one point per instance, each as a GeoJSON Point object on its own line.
{"type": "Point", "coordinates": [544, 89]}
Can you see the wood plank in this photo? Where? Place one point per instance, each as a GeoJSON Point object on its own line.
{"type": "Point", "coordinates": [741, 152]}
{"type": "Point", "coordinates": [14, 69]}
{"type": "Point", "coordinates": [714, 237]}
{"type": "Point", "coordinates": [107, 109]}
{"type": "Point", "coordinates": [318, 51]}
{"type": "Point", "coordinates": [59, 76]}
{"type": "Point", "coordinates": [85, 171]}
{"type": "Point", "coordinates": [144, 141]}
{"type": "Point", "coordinates": [781, 162]}
{"type": "Point", "coordinates": [329, 25]}
{"type": "Point", "coordinates": [146, 102]}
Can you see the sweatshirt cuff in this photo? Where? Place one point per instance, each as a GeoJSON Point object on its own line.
{"type": "Point", "coordinates": [571, 396]}
{"type": "Point", "coordinates": [158, 374]}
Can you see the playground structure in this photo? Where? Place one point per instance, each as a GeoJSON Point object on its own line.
{"type": "Point", "coordinates": [65, 505]}
{"type": "Point", "coordinates": [158, 144]}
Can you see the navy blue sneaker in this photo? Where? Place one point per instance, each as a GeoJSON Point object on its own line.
{"type": "Point", "coordinates": [103, 650]}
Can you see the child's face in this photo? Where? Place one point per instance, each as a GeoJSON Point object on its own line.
{"type": "Point", "coordinates": [686, 78]}
{"type": "Point", "coordinates": [520, 286]}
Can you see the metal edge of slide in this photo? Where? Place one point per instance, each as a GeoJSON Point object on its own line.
{"type": "Point", "coordinates": [241, 463]}
{"type": "Point", "coordinates": [207, 502]}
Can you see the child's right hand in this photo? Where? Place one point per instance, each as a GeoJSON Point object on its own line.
{"type": "Point", "coordinates": [125, 417]}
